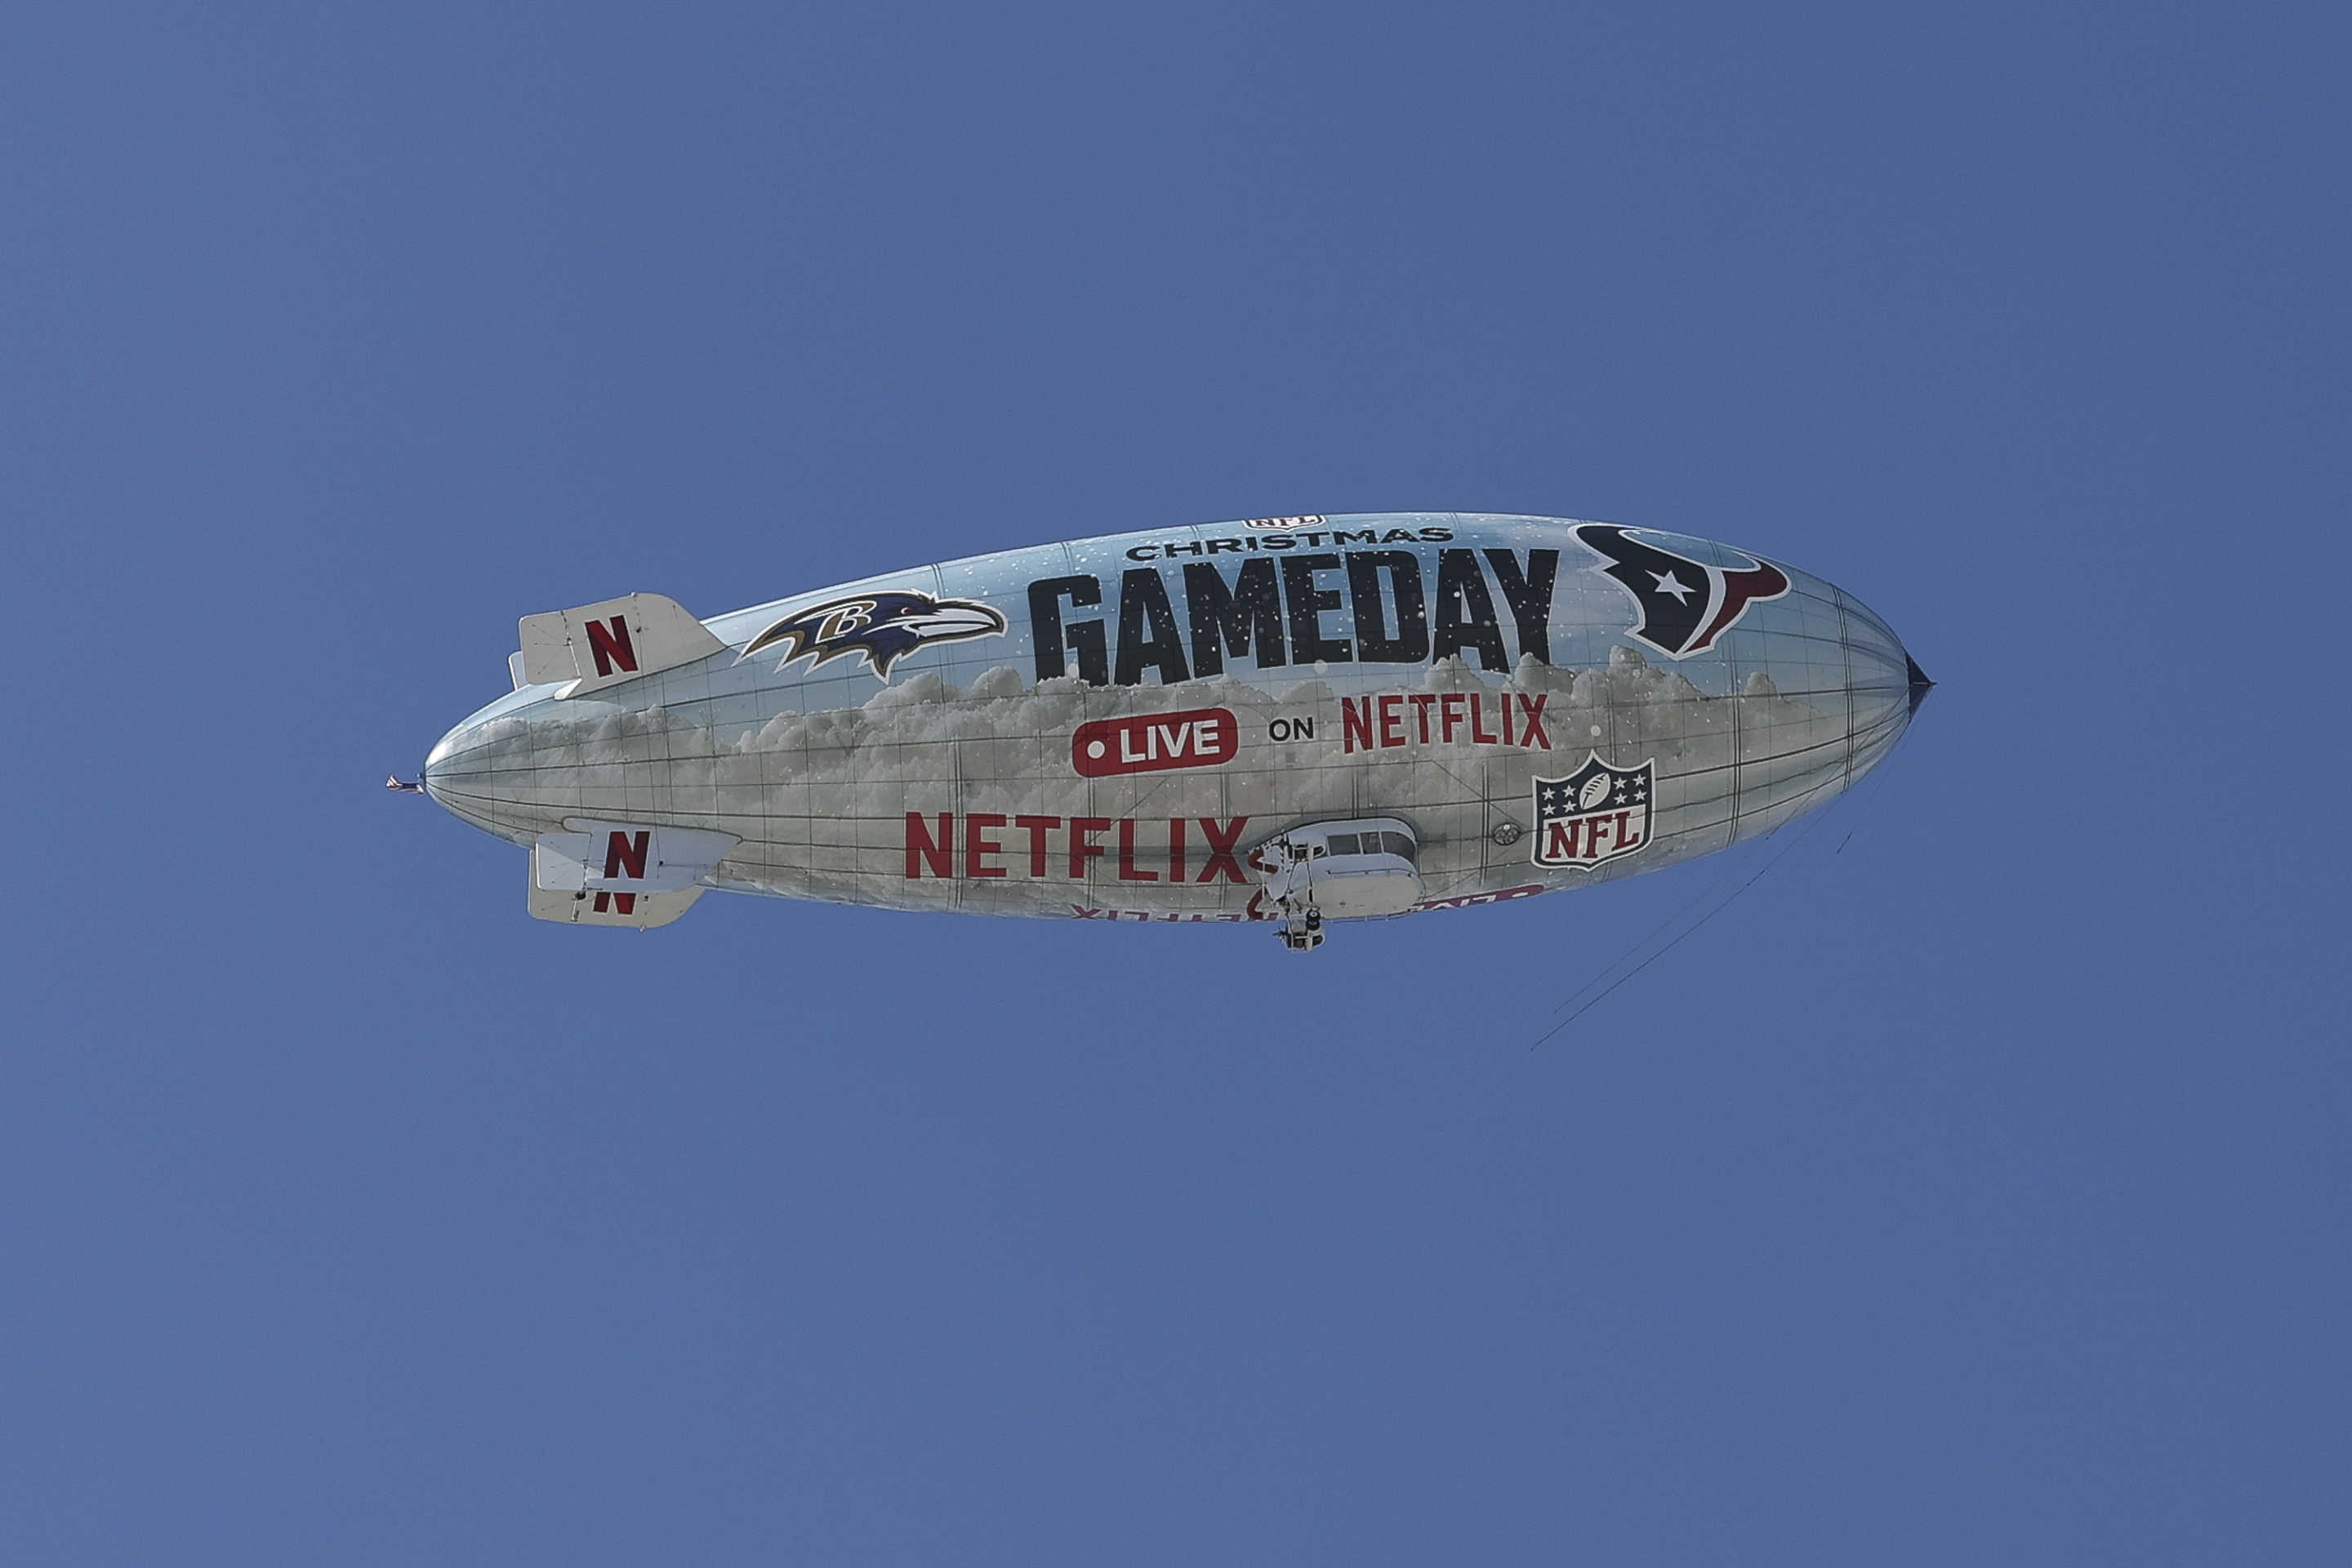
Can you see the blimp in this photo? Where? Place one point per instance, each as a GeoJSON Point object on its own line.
{"type": "Point", "coordinates": [1298, 721]}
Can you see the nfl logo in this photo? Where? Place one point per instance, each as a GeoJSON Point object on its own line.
{"type": "Point", "coordinates": [1596, 814]}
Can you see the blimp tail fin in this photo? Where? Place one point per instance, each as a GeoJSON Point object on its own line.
{"type": "Point", "coordinates": [621, 873]}
{"type": "Point", "coordinates": [639, 911]}
{"type": "Point", "coordinates": [608, 642]}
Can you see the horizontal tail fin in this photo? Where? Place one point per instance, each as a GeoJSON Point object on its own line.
{"type": "Point", "coordinates": [621, 873]}
{"type": "Point", "coordinates": [639, 911]}
{"type": "Point", "coordinates": [608, 642]}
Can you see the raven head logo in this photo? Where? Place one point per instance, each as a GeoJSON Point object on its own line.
{"type": "Point", "coordinates": [884, 627]}
{"type": "Point", "coordinates": [1685, 605]}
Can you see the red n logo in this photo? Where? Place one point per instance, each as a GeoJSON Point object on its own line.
{"type": "Point", "coordinates": [623, 857]}
{"type": "Point", "coordinates": [611, 645]}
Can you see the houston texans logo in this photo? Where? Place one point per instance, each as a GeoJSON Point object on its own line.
{"type": "Point", "coordinates": [885, 628]}
{"type": "Point", "coordinates": [1685, 605]}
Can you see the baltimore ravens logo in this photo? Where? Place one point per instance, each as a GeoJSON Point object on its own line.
{"type": "Point", "coordinates": [1685, 604]}
{"type": "Point", "coordinates": [885, 628]}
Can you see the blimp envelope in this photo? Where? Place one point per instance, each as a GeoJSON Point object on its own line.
{"type": "Point", "coordinates": [1118, 728]}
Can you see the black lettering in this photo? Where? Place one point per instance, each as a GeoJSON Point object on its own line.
{"type": "Point", "coordinates": [1281, 541]}
{"type": "Point", "coordinates": [1143, 598]}
{"type": "Point", "coordinates": [1050, 637]}
{"type": "Point", "coordinates": [1435, 535]}
{"type": "Point", "coordinates": [1308, 603]}
{"type": "Point", "coordinates": [1233, 621]}
{"type": "Point", "coordinates": [1530, 597]}
{"type": "Point", "coordinates": [1373, 643]}
{"type": "Point", "coordinates": [1397, 536]}
{"type": "Point", "coordinates": [1465, 611]}
{"type": "Point", "coordinates": [1217, 544]}
{"type": "Point", "coordinates": [1353, 536]}
{"type": "Point", "coordinates": [1143, 553]}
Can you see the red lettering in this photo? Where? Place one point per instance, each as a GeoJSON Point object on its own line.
{"type": "Point", "coordinates": [1478, 730]}
{"type": "Point", "coordinates": [1037, 827]}
{"type": "Point", "coordinates": [1353, 723]}
{"type": "Point", "coordinates": [624, 857]}
{"type": "Point", "coordinates": [1531, 714]}
{"type": "Point", "coordinates": [1421, 702]}
{"type": "Point", "coordinates": [1447, 716]}
{"type": "Point", "coordinates": [922, 849]}
{"type": "Point", "coordinates": [1561, 844]}
{"type": "Point", "coordinates": [610, 903]}
{"type": "Point", "coordinates": [612, 647]}
{"type": "Point", "coordinates": [1175, 848]}
{"type": "Point", "coordinates": [977, 843]}
{"type": "Point", "coordinates": [1392, 720]}
{"type": "Point", "coordinates": [1197, 738]}
{"type": "Point", "coordinates": [1221, 849]}
{"type": "Point", "coordinates": [1505, 705]}
{"type": "Point", "coordinates": [1127, 867]}
{"type": "Point", "coordinates": [1623, 842]}
{"type": "Point", "coordinates": [1083, 847]}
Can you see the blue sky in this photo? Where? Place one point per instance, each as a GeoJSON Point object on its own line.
{"type": "Point", "coordinates": [1971, 1189]}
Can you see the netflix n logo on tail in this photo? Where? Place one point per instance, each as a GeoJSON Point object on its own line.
{"type": "Point", "coordinates": [609, 646]}
{"type": "Point", "coordinates": [625, 861]}
{"type": "Point", "coordinates": [1596, 814]}
{"type": "Point", "coordinates": [612, 640]}
{"type": "Point", "coordinates": [614, 873]}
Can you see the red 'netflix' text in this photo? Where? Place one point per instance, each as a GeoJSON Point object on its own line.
{"type": "Point", "coordinates": [985, 844]}
{"type": "Point", "coordinates": [1444, 719]}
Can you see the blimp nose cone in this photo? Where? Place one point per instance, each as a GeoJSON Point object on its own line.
{"type": "Point", "coordinates": [1882, 685]}
{"type": "Point", "coordinates": [485, 772]}
{"type": "Point", "coordinates": [454, 775]}
{"type": "Point", "coordinates": [439, 773]}
{"type": "Point", "coordinates": [1920, 684]}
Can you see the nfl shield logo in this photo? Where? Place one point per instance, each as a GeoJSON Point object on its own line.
{"type": "Point", "coordinates": [1596, 814]}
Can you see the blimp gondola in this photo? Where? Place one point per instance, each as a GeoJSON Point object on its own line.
{"type": "Point", "coordinates": [1301, 721]}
